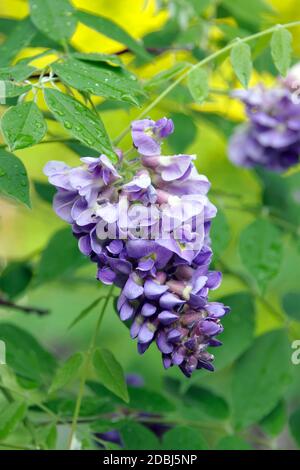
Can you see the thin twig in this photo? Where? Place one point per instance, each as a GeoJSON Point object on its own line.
{"type": "Point", "coordinates": [85, 370]}
{"type": "Point", "coordinates": [23, 308]}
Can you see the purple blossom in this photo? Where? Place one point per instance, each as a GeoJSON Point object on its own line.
{"type": "Point", "coordinates": [147, 135]}
{"type": "Point", "coordinates": [271, 136]}
{"type": "Point", "coordinates": [165, 279]}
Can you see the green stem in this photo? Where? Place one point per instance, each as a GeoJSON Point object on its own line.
{"type": "Point", "coordinates": [85, 369]}
{"type": "Point", "coordinates": [52, 141]}
{"type": "Point", "coordinates": [203, 62]}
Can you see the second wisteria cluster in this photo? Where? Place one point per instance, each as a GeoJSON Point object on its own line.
{"type": "Point", "coordinates": [146, 223]}
{"type": "Point", "coordinates": [271, 136]}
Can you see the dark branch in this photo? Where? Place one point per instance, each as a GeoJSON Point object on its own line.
{"type": "Point", "coordinates": [158, 50]}
{"type": "Point", "coordinates": [22, 308]}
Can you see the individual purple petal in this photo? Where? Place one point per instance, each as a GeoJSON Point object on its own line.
{"type": "Point", "coordinates": [95, 243]}
{"type": "Point", "coordinates": [115, 247]}
{"type": "Point", "coordinates": [84, 244]}
{"type": "Point", "coordinates": [153, 290]}
{"type": "Point", "coordinates": [174, 335]}
{"type": "Point", "coordinates": [164, 127]}
{"type": "Point", "coordinates": [216, 309]}
{"type": "Point", "coordinates": [126, 311]}
{"type": "Point", "coordinates": [132, 290]}
{"type": "Point", "coordinates": [178, 356]}
{"type": "Point", "coordinates": [166, 317]}
{"type": "Point", "coordinates": [214, 279]}
{"type": "Point", "coordinates": [210, 328]}
{"type": "Point", "coordinates": [168, 301]}
{"type": "Point", "coordinates": [167, 362]}
{"type": "Point", "coordinates": [86, 217]}
{"type": "Point", "coordinates": [142, 347]}
{"type": "Point", "coordinates": [136, 326]}
{"type": "Point", "coordinates": [106, 275]}
{"type": "Point", "coordinates": [163, 344]}
{"type": "Point", "coordinates": [146, 264]}
{"type": "Point", "coordinates": [148, 310]}
{"type": "Point", "coordinates": [58, 174]}
{"type": "Point", "coordinates": [176, 167]}
{"type": "Point", "coordinates": [147, 134]}
{"type": "Point", "coordinates": [140, 248]}
{"type": "Point", "coordinates": [146, 333]}
{"type": "Point", "coordinates": [63, 203]}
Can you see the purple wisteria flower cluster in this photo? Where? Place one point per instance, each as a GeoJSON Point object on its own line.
{"type": "Point", "coordinates": [271, 137]}
{"type": "Point", "coordinates": [164, 278]}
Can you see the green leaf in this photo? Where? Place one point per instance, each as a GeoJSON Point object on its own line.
{"type": "Point", "coordinates": [233, 443]}
{"type": "Point", "coordinates": [45, 191]}
{"type": "Point", "coordinates": [207, 402]}
{"type": "Point", "coordinates": [82, 123]}
{"type": "Point", "coordinates": [19, 38]}
{"type": "Point", "coordinates": [220, 234]}
{"type": "Point", "coordinates": [90, 406]}
{"type": "Point", "coordinates": [54, 18]}
{"type": "Point", "coordinates": [46, 436]}
{"type": "Point", "coordinates": [102, 392]}
{"type": "Point", "coordinates": [241, 62]}
{"type": "Point", "coordinates": [180, 141]}
{"type": "Point", "coordinates": [67, 372]}
{"type": "Point", "coordinates": [261, 251]}
{"type": "Point", "coordinates": [135, 436]}
{"type": "Point", "coordinates": [23, 125]}
{"type": "Point", "coordinates": [27, 358]}
{"type": "Point", "coordinates": [239, 327]}
{"type": "Point", "coordinates": [112, 83]}
{"type": "Point", "coordinates": [149, 401]}
{"type": "Point", "coordinates": [198, 84]}
{"type": "Point", "coordinates": [16, 72]}
{"type": "Point", "coordinates": [166, 75]}
{"type": "Point", "coordinates": [183, 438]}
{"type": "Point", "coordinates": [291, 305]}
{"type": "Point", "coordinates": [275, 421]}
{"type": "Point", "coordinates": [248, 12]}
{"type": "Point", "coordinates": [15, 278]}
{"type": "Point", "coordinates": [85, 312]}
{"type": "Point", "coordinates": [281, 49]}
{"type": "Point", "coordinates": [10, 415]}
{"type": "Point", "coordinates": [11, 89]}
{"type": "Point", "coordinates": [111, 59]}
{"type": "Point", "coordinates": [110, 373]}
{"type": "Point", "coordinates": [260, 378]}
{"type": "Point", "coordinates": [110, 29]}
{"type": "Point", "coordinates": [201, 5]}
{"type": "Point", "coordinates": [82, 150]}
{"type": "Point", "coordinates": [7, 25]}
{"type": "Point", "coordinates": [13, 178]}
{"type": "Point", "coordinates": [60, 256]}
{"type": "Point", "coordinates": [294, 423]}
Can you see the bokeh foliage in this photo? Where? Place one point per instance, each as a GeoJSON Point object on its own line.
{"type": "Point", "coordinates": [252, 400]}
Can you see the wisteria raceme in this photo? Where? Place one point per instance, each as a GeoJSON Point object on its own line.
{"type": "Point", "coordinates": [150, 237]}
{"type": "Point", "coordinates": [271, 136]}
